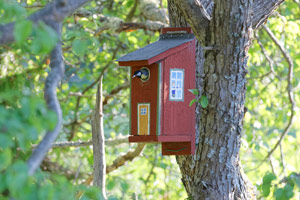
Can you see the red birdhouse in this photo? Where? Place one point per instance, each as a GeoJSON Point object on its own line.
{"type": "Point", "coordinates": [162, 73]}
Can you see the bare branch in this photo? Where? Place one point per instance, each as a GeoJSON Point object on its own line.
{"type": "Point", "coordinates": [262, 9]}
{"type": "Point", "coordinates": [272, 165]}
{"type": "Point", "coordinates": [289, 90]}
{"type": "Point", "coordinates": [282, 160]}
{"type": "Point", "coordinates": [132, 11]}
{"type": "Point", "coordinates": [129, 156]}
{"type": "Point", "coordinates": [150, 9]}
{"type": "Point", "coordinates": [115, 91]}
{"type": "Point", "coordinates": [53, 12]}
{"type": "Point", "coordinates": [117, 25]}
{"type": "Point", "coordinates": [54, 77]}
{"type": "Point", "coordinates": [109, 142]}
{"type": "Point", "coordinates": [270, 61]}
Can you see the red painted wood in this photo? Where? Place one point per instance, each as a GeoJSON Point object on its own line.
{"type": "Point", "coordinates": [142, 138]}
{"type": "Point", "coordinates": [187, 29]}
{"type": "Point", "coordinates": [178, 117]}
{"type": "Point", "coordinates": [175, 138]}
{"type": "Point", "coordinates": [144, 92]}
{"type": "Point", "coordinates": [176, 148]}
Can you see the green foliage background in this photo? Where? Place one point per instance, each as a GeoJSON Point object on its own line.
{"type": "Point", "coordinates": [24, 117]}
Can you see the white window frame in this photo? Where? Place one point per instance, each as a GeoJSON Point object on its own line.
{"type": "Point", "coordinates": [176, 85]}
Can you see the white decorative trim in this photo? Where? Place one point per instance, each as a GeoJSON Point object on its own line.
{"type": "Point", "coordinates": [176, 87]}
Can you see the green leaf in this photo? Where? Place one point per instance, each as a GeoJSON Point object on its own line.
{"type": "Point", "coordinates": [296, 178]}
{"type": "Point", "coordinates": [279, 194]}
{"type": "Point", "coordinates": [192, 102]}
{"type": "Point", "coordinates": [266, 185]}
{"type": "Point", "coordinates": [45, 39]}
{"type": "Point", "coordinates": [79, 47]}
{"type": "Point", "coordinates": [194, 91]}
{"type": "Point", "coordinates": [5, 158]}
{"type": "Point", "coordinates": [5, 141]}
{"type": "Point", "coordinates": [22, 30]}
{"type": "Point", "coordinates": [204, 101]}
{"type": "Point", "coordinates": [288, 191]}
{"type": "Point", "coordinates": [124, 186]}
{"type": "Point", "coordinates": [17, 177]}
{"type": "Point", "coordinates": [110, 185]}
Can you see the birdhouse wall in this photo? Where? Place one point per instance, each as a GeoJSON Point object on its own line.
{"type": "Point", "coordinates": [144, 93]}
{"type": "Point", "coordinates": [178, 117]}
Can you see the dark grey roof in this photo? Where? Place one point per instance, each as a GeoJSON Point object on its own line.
{"type": "Point", "coordinates": [163, 44]}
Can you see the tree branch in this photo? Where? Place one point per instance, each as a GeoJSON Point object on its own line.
{"type": "Point", "coordinates": [197, 20]}
{"type": "Point", "coordinates": [52, 12]}
{"type": "Point", "coordinates": [98, 141]}
{"type": "Point", "coordinates": [110, 142]}
{"type": "Point", "coordinates": [289, 90]}
{"type": "Point", "coordinates": [117, 25]}
{"type": "Point", "coordinates": [262, 9]}
{"type": "Point", "coordinates": [129, 156]}
{"type": "Point", "coordinates": [115, 91]}
{"type": "Point", "coordinates": [54, 77]}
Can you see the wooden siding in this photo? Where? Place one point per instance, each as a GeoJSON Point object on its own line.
{"type": "Point", "coordinates": [144, 92]}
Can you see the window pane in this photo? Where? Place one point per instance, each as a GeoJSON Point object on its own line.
{"type": "Point", "coordinates": [179, 94]}
{"type": "Point", "coordinates": [173, 84]}
{"type": "Point", "coordinates": [178, 84]}
{"type": "Point", "coordinates": [173, 75]}
{"type": "Point", "coordinates": [179, 75]}
{"type": "Point", "coordinates": [173, 93]}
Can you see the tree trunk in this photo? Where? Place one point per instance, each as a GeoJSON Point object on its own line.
{"type": "Point", "coordinates": [214, 172]}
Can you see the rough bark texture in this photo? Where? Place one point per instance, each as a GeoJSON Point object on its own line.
{"type": "Point", "coordinates": [98, 142]}
{"type": "Point", "coordinates": [214, 172]}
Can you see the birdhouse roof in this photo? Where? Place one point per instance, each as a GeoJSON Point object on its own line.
{"type": "Point", "coordinates": [169, 43]}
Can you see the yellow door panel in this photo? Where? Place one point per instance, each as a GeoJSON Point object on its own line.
{"type": "Point", "coordinates": [144, 119]}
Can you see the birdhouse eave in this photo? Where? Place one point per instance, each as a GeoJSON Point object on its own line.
{"type": "Point", "coordinates": [156, 51]}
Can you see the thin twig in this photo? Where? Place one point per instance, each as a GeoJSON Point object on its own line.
{"type": "Point", "coordinates": [270, 61]}
{"type": "Point", "coordinates": [282, 160]}
{"type": "Point", "coordinates": [289, 90]}
{"type": "Point", "coordinates": [77, 172]}
{"type": "Point", "coordinates": [272, 166]}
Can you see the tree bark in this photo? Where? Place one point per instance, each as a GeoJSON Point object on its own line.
{"type": "Point", "coordinates": [98, 142]}
{"type": "Point", "coordinates": [214, 172]}
{"type": "Point", "coordinates": [53, 79]}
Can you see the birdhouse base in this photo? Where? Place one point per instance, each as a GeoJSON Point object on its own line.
{"type": "Point", "coordinates": [143, 138]}
{"type": "Point", "coordinates": [171, 145]}
{"type": "Point", "coordinates": [177, 148]}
